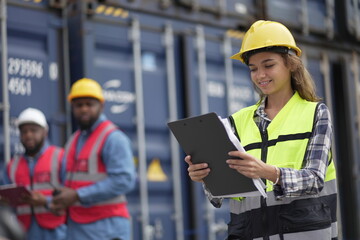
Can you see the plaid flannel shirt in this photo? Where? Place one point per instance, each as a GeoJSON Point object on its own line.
{"type": "Point", "coordinates": [310, 179]}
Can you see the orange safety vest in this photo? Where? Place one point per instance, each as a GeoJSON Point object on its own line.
{"type": "Point", "coordinates": [45, 178]}
{"type": "Point", "coordinates": [88, 168]}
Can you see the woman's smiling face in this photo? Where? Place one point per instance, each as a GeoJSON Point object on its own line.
{"type": "Point", "coordinates": [269, 73]}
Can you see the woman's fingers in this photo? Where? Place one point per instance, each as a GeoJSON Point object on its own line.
{"type": "Point", "coordinates": [197, 171]}
{"type": "Point", "coordinates": [239, 155]}
{"type": "Point", "coordinates": [196, 167]}
{"type": "Point", "coordinates": [188, 160]}
{"type": "Point", "coordinates": [199, 175]}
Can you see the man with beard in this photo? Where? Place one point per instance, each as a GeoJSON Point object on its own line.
{"type": "Point", "coordinates": [99, 170]}
{"type": "Point", "coordinates": [38, 169]}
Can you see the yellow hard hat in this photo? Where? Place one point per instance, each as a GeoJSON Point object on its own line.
{"type": "Point", "coordinates": [266, 34]}
{"type": "Point", "coordinates": [86, 87]}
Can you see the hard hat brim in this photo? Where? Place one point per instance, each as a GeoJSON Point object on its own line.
{"type": "Point", "coordinates": [237, 56]}
{"type": "Point", "coordinates": [70, 98]}
{"type": "Point", "coordinates": [86, 87]}
{"type": "Point", "coordinates": [43, 125]}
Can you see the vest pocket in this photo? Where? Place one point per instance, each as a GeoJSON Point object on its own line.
{"type": "Point", "coordinates": [239, 227]}
{"type": "Point", "coordinates": [304, 215]}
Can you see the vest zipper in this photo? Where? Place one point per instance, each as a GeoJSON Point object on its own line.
{"type": "Point", "coordinates": [264, 145]}
{"type": "Point", "coordinates": [264, 151]}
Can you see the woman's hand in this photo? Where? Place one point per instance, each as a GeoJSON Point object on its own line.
{"type": "Point", "coordinates": [250, 166]}
{"type": "Point", "coordinates": [197, 172]}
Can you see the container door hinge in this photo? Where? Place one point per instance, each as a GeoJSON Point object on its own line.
{"type": "Point", "coordinates": [357, 18]}
{"type": "Point", "coordinates": [305, 17]}
{"type": "Point", "coordinates": [329, 20]}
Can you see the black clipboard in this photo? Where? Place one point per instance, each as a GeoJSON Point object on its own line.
{"type": "Point", "coordinates": [205, 139]}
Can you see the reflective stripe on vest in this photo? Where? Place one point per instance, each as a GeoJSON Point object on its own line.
{"type": "Point", "coordinates": [13, 168]}
{"type": "Point", "coordinates": [280, 141]}
{"type": "Point", "coordinates": [93, 170]}
{"type": "Point", "coordinates": [26, 210]}
{"type": "Point", "coordinates": [79, 176]}
{"type": "Point", "coordinates": [322, 234]}
{"type": "Point", "coordinates": [92, 173]}
{"type": "Point", "coordinates": [118, 199]}
{"type": "Point", "coordinates": [23, 210]}
{"type": "Point", "coordinates": [247, 204]}
{"type": "Point", "coordinates": [54, 173]}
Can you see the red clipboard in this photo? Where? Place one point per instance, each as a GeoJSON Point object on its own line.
{"type": "Point", "coordinates": [12, 194]}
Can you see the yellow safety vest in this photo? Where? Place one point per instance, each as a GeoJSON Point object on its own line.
{"type": "Point", "coordinates": [287, 136]}
{"type": "Point", "coordinates": [283, 144]}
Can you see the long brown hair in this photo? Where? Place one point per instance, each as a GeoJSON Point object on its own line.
{"type": "Point", "coordinates": [301, 80]}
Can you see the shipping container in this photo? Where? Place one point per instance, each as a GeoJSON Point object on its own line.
{"type": "Point", "coordinates": [136, 65]}
{"type": "Point", "coordinates": [351, 16]}
{"type": "Point", "coordinates": [334, 71]}
{"type": "Point", "coordinates": [34, 68]}
{"type": "Point", "coordinates": [346, 128]}
{"type": "Point", "coordinates": [308, 16]}
{"type": "Point", "coordinates": [160, 61]}
{"type": "Point", "coordinates": [134, 61]}
{"type": "Point", "coordinates": [214, 83]}
{"type": "Point", "coordinates": [219, 13]}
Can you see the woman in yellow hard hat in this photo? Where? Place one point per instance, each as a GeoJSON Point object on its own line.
{"type": "Point", "coordinates": [287, 138]}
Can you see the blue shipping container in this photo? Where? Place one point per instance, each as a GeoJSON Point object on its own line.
{"type": "Point", "coordinates": [35, 62]}
{"type": "Point", "coordinates": [133, 66]}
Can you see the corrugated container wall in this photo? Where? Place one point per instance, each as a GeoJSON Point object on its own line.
{"type": "Point", "coordinates": [137, 69]}
{"type": "Point", "coordinates": [310, 17]}
{"type": "Point", "coordinates": [153, 70]}
{"type": "Point", "coordinates": [159, 61]}
{"type": "Point", "coordinates": [34, 67]}
{"type": "Point", "coordinates": [129, 50]}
